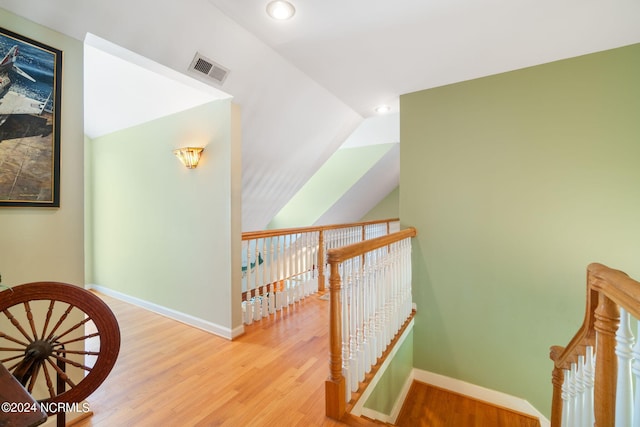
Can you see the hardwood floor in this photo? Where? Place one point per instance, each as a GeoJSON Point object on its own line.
{"type": "Point", "coordinates": [170, 374]}
{"type": "Point", "coordinates": [429, 406]}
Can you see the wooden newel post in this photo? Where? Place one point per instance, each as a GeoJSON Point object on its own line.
{"type": "Point", "coordinates": [335, 385]}
{"type": "Point", "coordinates": [557, 379]}
{"type": "Point", "coordinates": [606, 324]}
{"type": "Point", "coordinates": [321, 261]}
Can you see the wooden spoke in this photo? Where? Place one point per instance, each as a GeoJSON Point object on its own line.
{"type": "Point", "coordinates": [86, 353]}
{"type": "Point", "coordinates": [61, 374]}
{"type": "Point", "coordinates": [45, 312]}
{"type": "Point", "coordinates": [27, 309]}
{"type": "Point", "coordinates": [48, 318]}
{"type": "Point", "coordinates": [15, 365]}
{"type": "Point", "coordinates": [33, 381]}
{"type": "Point", "coordinates": [60, 321]}
{"type": "Point", "coordinates": [73, 328]}
{"type": "Point", "coordinates": [9, 359]}
{"type": "Point", "coordinates": [52, 393]}
{"type": "Point", "coordinates": [84, 338]}
{"type": "Point", "coordinates": [71, 362]}
{"type": "Point", "coordinates": [11, 349]}
{"type": "Point", "coordinates": [10, 338]}
{"type": "Point", "coordinates": [15, 322]}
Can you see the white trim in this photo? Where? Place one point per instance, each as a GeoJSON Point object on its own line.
{"type": "Point", "coordinates": [486, 395]}
{"type": "Point", "coordinates": [359, 409]}
{"type": "Point", "coordinates": [187, 319]}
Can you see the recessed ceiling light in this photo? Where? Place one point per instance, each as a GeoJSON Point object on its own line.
{"type": "Point", "coordinates": [280, 10]}
{"type": "Point", "coordinates": [382, 109]}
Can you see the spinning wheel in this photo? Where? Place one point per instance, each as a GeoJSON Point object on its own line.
{"type": "Point", "coordinates": [48, 327]}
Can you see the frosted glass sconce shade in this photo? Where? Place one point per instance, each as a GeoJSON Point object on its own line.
{"type": "Point", "coordinates": [189, 156]}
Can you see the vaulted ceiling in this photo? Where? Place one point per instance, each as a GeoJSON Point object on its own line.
{"type": "Point", "coordinates": [305, 85]}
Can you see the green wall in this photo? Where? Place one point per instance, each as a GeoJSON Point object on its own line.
{"type": "Point", "coordinates": [388, 389]}
{"type": "Point", "coordinates": [343, 169]}
{"type": "Point", "coordinates": [47, 243]}
{"type": "Point", "coordinates": [166, 234]}
{"type": "Point", "coordinates": [389, 207]}
{"type": "Point", "coordinates": [516, 182]}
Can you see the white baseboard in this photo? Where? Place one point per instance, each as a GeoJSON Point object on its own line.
{"type": "Point", "coordinates": [486, 395]}
{"type": "Point", "coordinates": [187, 319]}
{"type": "Point", "coordinates": [461, 387]}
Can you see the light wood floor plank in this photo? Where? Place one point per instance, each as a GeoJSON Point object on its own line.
{"type": "Point", "coordinates": [429, 406]}
{"type": "Point", "coordinates": [170, 374]}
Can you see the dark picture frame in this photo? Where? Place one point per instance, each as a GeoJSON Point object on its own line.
{"type": "Point", "coordinates": [30, 97]}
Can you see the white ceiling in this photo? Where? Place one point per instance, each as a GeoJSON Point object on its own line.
{"type": "Point", "coordinates": [367, 52]}
{"type": "Point", "coordinates": [305, 85]}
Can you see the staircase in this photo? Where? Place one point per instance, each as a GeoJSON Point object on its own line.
{"type": "Point", "coordinates": [430, 406]}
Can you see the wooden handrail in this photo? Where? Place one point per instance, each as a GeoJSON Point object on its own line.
{"type": "Point", "coordinates": [248, 235]}
{"type": "Point", "coordinates": [344, 253]}
{"type": "Point", "coordinates": [607, 291]}
{"type": "Point", "coordinates": [335, 386]}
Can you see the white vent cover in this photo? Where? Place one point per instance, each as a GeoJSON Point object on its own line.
{"type": "Point", "coordinates": [204, 67]}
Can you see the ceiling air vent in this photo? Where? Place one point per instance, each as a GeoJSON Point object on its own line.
{"type": "Point", "coordinates": [204, 67]}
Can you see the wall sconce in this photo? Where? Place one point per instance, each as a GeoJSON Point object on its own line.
{"type": "Point", "coordinates": [189, 156]}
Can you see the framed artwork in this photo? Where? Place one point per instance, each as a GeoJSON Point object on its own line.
{"type": "Point", "coordinates": [30, 84]}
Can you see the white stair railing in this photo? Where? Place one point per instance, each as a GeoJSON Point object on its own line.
{"type": "Point", "coordinates": [577, 392]}
{"type": "Point", "coordinates": [594, 376]}
{"type": "Point", "coordinates": [370, 288]}
{"type": "Point", "coordinates": [282, 267]}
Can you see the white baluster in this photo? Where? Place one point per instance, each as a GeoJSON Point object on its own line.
{"type": "Point", "coordinates": [345, 326]}
{"type": "Point", "coordinates": [264, 300]}
{"type": "Point", "coordinates": [256, 307]}
{"type": "Point", "coordinates": [579, 386]}
{"type": "Point", "coordinates": [263, 268]}
{"type": "Point", "coordinates": [248, 270]}
{"type": "Point", "coordinates": [245, 318]}
{"type": "Point", "coordinates": [624, 398]}
{"type": "Point", "coordinates": [566, 403]}
{"type": "Point", "coordinates": [572, 396]}
{"type": "Point", "coordinates": [635, 368]}
{"type": "Point", "coordinates": [272, 261]}
{"type": "Point", "coordinates": [353, 322]}
{"type": "Point", "coordinates": [366, 350]}
{"type": "Point", "coordinates": [272, 298]}
{"type": "Point", "coordinates": [589, 381]}
{"type": "Point", "coordinates": [248, 318]}
{"type": "Point", "coordinates": [360, 331]}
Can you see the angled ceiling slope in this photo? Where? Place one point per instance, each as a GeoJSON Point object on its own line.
{"type": "Point", "coordinates": [304, 85]}
{"type": "Point", "coordinates": [123, 89]}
